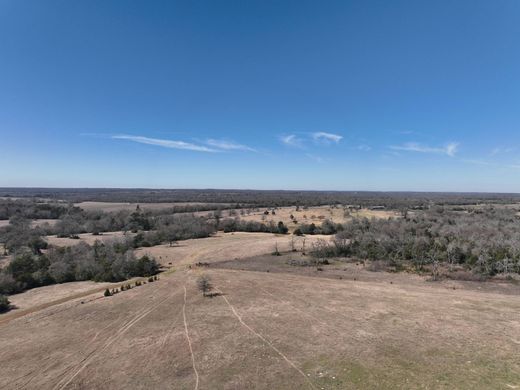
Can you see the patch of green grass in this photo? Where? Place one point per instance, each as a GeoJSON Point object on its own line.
{"type": "Point", "coordinates": [168, 272]}
{"type": "Point", "coordinates": [435, 370]}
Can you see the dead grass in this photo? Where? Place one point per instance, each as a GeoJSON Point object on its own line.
{"type": "Point", "coordinates": [264, 332]}
{"type": "Point", "coordinates": [290, 328]}
{"type": "Point", "coordinates": [88, 238]}
{"type": "Point", "coordinates": [225, 246]}
{"type": "Point", "coordinates": [314, 215]}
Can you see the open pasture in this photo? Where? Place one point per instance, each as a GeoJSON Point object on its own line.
{"type": "Point", "coordinates": [269, 330]}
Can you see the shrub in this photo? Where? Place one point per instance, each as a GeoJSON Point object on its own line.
{"type": "Point", "coordinates": [8, 285]}
{"type": "Point", "coordinates": [107, 293]}
{"type": "Point", "coordinates": [282, 229]}
{"type": "Point", "coordinates": [5, 305]}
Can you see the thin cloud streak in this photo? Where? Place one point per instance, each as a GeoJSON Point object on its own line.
{"type": "Point", "coordinates": [449, 150]}
{"type": "Point", "coordinates": [165, 143]}
{"type": "Point", "coordinates": [492, 164]}
{"type": "Point", "coordinates": [228, 145]}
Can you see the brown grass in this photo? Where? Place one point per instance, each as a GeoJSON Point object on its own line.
{"type": "Point", "coordinates": [225, 246]}
{"type": "Point", "coordinates": [314, 215]}
{"type": "Point", "coordinates": [88, 238]}
{"type": "Point", "coordinates": [290, 328]}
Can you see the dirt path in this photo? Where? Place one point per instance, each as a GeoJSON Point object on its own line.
{"type": "Point", "coordinates": [6, 318]}
{"type": "Point", "coordinates": [90, 357]}
{"type": "Point", "coordinates": [267, 342]}
{"type": "Point", "coordinates": [189, 341]}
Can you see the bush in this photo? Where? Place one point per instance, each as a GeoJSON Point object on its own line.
{"type": "Point", "coordinates": [5, 305]}
{"type": "Point", "coordinates": [8, 285]}
{"type": "Point", "coordinates": [145, 266]}
{"type": "Point", "coordinates": [282, 229]}
{"type": "Point", "coordinates": [107, 293]}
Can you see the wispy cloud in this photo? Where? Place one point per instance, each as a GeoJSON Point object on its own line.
{"type": "Point", "coordinates": [476, 162]}
{"type": "Point", "coordinates": [364, 148]}
{"type": "Point", "coordinates": [492, 164]}
{"type": "Point", "coordinates": [321, 136]}
{"type": "Point", "coordinates": [228, 145]}
{"type": "Point", "coordinates": [165, 143]}
{"type": "Point", "coordinates": [500, 151]}
{"type": "Point", "coordinates": [449, 149]}
{"type": "Point", "coordinates": [318, 159]}
{"type": "Point", "coordinates": [292, 140]}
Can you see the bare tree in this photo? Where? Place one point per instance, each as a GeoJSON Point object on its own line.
{"type": "Point", "coordinates": [293, 248]}
{"type": "Point", "coordinates": [276, 251]}
{"type": "Point", "coordinates": [204, 284]}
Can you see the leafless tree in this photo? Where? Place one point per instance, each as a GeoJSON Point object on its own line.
{"type": "Point", "coordinates": [204, 284]}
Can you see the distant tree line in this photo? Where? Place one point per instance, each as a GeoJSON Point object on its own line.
{"type": "Point", "coordinates": [257, 198]}
{"type": "Point", "coordinates": [31, 209]}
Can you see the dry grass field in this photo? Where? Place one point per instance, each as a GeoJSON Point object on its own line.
{"type": "Point", "coordinates": [314, 215]}
{"type": "Point", "coordinates": [275, 326]}
{"type": "Point", "coordinates": [88, 238]}
{"type": "Point", "coordinates": [226, 246]}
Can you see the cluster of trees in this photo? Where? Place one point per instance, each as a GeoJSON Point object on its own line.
{"type": "Point", "coordinates": [19, 233]}
{"type": "Point", "coordinates": [153, 229]}
{"type": "Point", "coordinates": [99, 262]}
{"type": "Point", "coordinates": [172, 228]}
{"type": "Point", "coordinates": [237, 225]}
{"type": "Point", "coordinates": [486, 241]}
{"type": "Point", "coordinates": [327, 227]}
{"type": "Point", "coordinates": [77, 221]}
{"type": "Point", "coordinates": [31, 209]}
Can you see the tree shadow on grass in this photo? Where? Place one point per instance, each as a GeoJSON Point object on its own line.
{"type": "Point", "coordinates": [213, 294]}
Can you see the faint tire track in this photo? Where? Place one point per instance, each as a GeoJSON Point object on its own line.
{"type": "Point", "coordinates": [91, 356]}
{"type": "Point", "coordinates": [189, 342]}
{"type": "Point", "coordinates": [267, 342]}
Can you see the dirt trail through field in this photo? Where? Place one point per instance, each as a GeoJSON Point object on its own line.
{"type": "Point", "coordinates": [189, 341]}
{"type": "Point", "coordinates": [267, 342]}
{"type": "Point", "coordinates": [393, 332]}
{"type": "Point", "coordinates": [96, 352]}
{"type": "Point", "coordinates": [21, 312]}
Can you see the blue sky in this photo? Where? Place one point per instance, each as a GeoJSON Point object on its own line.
{"type": "Point", "coordinates": [364, 95]}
